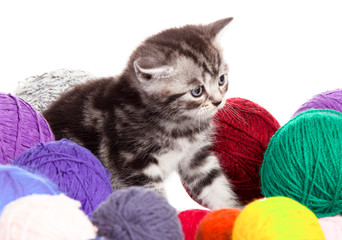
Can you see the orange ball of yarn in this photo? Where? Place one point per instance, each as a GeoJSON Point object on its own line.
{"type": "Point", "coordinates": [218, 225]}
{"type": "Point", "coordinates": [190, 219]}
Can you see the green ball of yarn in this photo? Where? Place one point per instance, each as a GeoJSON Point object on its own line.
{"type": "Point", "coordinates": [303, 161]}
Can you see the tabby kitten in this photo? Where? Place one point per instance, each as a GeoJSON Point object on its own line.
{"type": "Point", "coordinates": [156, 117]}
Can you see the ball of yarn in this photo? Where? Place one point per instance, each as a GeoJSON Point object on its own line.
{"type": "Point", "coordinates": [21, 127]}
{"type": "Point", "coordinates": [278, 218]}
{"type": "Point", "coordinates": [303, 161]}
{"type": "Point", "coordinates": [326, 100]}
{"type": "Point", "coordinates": [137, 213]}
{"type": "Point", "coordinates": [76, 171]}
{"type": "Point", "coordinates": [41, 90]}
{"type": "Point", "coordinates": [332, 227]}
{"type": "Point", "coordinates": [218, 224]}
{"type": "Point", "coordinates": [16, 183]}
{"type": "Point", "coordinates": [45, 217]}
{"type": "Point", "coordinates": [243, 131]}
{"type": "Point", "coordinates": [190, 219]}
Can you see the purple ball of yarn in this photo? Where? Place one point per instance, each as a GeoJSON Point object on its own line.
{"type": "Point", "coordinates": [326, 100]}
{"type": "Point", "coordinates": [137, 213]}
{"type": "Point", "coordinates": [16, 182]}
{"type": "Point", "coordinates": [21, 127]}
{"type": "Point", "coordinates": [76, 171]}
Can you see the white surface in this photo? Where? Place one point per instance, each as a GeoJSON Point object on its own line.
{"type": "Point", "coordinates": [280, 53]}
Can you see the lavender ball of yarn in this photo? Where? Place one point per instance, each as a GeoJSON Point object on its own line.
{"type": "Point", "coordinates": [41, 90]}
{"type": "Point", "coordinates": [326, 100]}
{"type": "Point", "coordinates": [21, 127]}
{"type": "Point", "coordinates": [16, 182]}
{"type": "Point", "coordinates": [76, 171]}
{"type": "Point", "coordinates": [137, 213]}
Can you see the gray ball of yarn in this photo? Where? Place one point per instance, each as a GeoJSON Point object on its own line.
{"type": "Point", "coordinates": [137, 213]}
{"type": "Point", "coordinates": [41, 90]}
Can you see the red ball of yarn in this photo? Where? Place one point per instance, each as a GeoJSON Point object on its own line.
{"type": "Point", "coordinates": [190, 219]}
{"type": "Point", "coordinates": [218, 225]}
{"type": "Point", "coordinates": [243, 131]}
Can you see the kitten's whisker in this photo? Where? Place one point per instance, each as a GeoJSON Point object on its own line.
{"type": "Point", "coordinates": [230, 111]}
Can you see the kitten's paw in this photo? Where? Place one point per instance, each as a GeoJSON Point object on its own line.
{"type": "Point", "coordinates": [219, 195]}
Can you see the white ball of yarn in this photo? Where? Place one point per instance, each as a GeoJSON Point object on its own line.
{"type": "Point", "coordinates": [45, 217]}
{"type": "Point", "coordinates": [39, 91]}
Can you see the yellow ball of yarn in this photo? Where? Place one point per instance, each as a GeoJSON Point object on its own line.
{"type": "Point", "coordinates": [279, 218]}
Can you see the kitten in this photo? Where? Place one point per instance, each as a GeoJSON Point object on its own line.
{"type": "Point", "coordinates": [156, 117]}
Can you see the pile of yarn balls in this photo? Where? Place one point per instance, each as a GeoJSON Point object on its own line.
{"type": "Point", "coordinates": [59, 190]}
{"type": "Point", "coordinates": [298, 169]}
{"type": "Point", "coordinates": [288, 176]}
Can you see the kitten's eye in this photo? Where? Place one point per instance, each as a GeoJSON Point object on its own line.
{"type": "Point", "coordinates": [197, 92]}
{"type": "Point", "coordinates": [222, 80]}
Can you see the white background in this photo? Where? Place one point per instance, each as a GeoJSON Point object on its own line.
{"type": "Point", "coordinates": [280, 53]}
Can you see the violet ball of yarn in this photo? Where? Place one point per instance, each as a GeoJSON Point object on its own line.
{"type": "Point", "coordinates": [137, 213]}
{"type": "Point", "coordinates": [16, 182]}
{"type": "Point", "coordinates": [326, 100]}
{"type": "Point", "coordinates": [76, 171]}
{"type": "Point", "coordinates": [21, 127]}
{"type": "Point", "coordinates": [43, 89]}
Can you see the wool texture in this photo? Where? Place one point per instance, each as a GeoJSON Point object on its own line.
{"type": "Point", "coordinates": [190, 219]}
{"type": "Point", "coordinates": [332, 227]}
{"type": "Point", "coordinates": [303, 161]}
{"type": "Point", "coordinates": [243, 131]}
{"type": "Point", "coordinates": [137, 213]}
{"type": "Point", "coordinates": [326, 100]}
{"type": "Point", "coordinates": [218, 225]}
{"type": "Point", "coordinates": [76, 171]}
{"type": "Point", "coordinates": [279, 218]}
{"type": "Point", "coordinates": [45, 217]}
{"type": "Point", "coordinates": [21, 127]}
{"type": "Point", "coordinates": [41, 90]}
{"type": "Point", "coordinates": [16, 183]}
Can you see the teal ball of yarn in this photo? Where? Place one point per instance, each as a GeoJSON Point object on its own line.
{"type": "Point", "coordinates": [303, 161]}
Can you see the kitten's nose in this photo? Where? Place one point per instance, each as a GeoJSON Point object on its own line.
{"type": "Point", "coordinates": [217, 103]}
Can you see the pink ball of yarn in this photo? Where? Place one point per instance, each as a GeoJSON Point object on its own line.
{"type": "Point", "coordinates": [332, 227]}
{"type": "Point", "coordinates": [190, 220]}
{"type": "Point", "coordinates": [21, 127]}
{"type": "Point", "coordinates": [45, 217]}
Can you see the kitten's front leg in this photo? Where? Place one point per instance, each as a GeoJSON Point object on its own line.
{"type": "Point", "coordinates": [206, 181]}
{"type": "Point", "coordinates": [144, 171]}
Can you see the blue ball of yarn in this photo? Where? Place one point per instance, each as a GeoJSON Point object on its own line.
{"type": "Point", "coordinates": [76, 171]}
{"type": "Point", "coordinates": [16, 182]}
{"type": "Point", "coordinates": [137, 213]}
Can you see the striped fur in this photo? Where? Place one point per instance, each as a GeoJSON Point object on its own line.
{"type": "Point", "coordinates": [148, 121]}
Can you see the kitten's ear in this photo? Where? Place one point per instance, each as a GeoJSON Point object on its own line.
{"type": "Point", "coordinates": [147, 68]}
{"type": "Point", "coordinates": [214, 28]}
